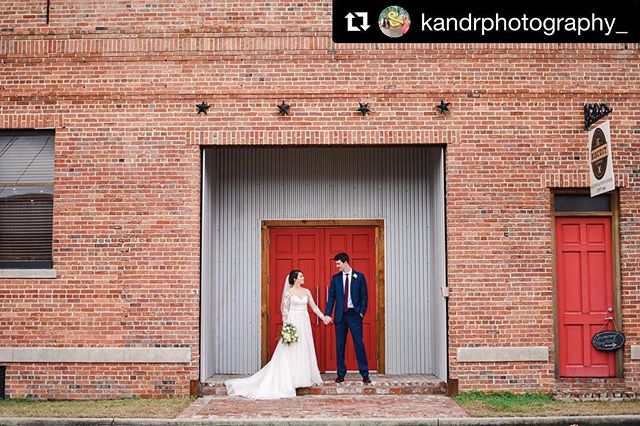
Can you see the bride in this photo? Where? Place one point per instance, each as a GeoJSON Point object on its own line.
{"type": "Point", "coordinates": [293, 365]}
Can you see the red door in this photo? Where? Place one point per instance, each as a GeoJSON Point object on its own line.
{"type": "Point", "coordinates": [359, 243]}
{"type": "Point", "coordinates": [585, 294]}
{"type": "Point", "coordinates": [311, 250]}
{"type": "Point", "coordinates": [290, 249]}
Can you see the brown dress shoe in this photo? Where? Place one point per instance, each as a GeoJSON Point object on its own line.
{"type": "Point", "coordinates": [339, 379]}
{"type": "Point", "coordinates": [366, 380]}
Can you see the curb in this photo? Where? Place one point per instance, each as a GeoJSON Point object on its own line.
{"type": "Point", "coordinates": [632, 420]}
{"type": "Point", "coordinates": [629, 420]}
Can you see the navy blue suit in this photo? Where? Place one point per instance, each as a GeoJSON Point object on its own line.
{"type": "Point", "coordinates": [350, 320]}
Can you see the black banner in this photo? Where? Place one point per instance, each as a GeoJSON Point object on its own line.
{"type": "Point", "coordinates": [465, 21]}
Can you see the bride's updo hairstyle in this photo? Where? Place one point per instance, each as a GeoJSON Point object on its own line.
{"type": "Point", "coordinates": [292, 276]}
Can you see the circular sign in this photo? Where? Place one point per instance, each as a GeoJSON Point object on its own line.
{"type": "Point", "coordinates": [599, 153]}
{"type": "Point", "coordinates": [394, 21]}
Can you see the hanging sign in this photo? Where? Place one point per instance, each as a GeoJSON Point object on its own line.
{"type": "Point", "coordinates": [600, 161]}
{"type": "Point", "coordinates": [608, 340]}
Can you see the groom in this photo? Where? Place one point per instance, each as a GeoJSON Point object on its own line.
{"type": "Point", "coordinates": [348, 290]}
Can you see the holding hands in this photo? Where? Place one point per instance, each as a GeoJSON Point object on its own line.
{"type": "Point", "coordinates": [325, 318]}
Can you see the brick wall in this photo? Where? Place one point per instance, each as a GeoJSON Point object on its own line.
{"type": "Point", "coordinates": [119, 81]}
{"type": "Point", "coordinates": [97, 381]}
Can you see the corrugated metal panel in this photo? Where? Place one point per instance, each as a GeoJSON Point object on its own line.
{"type": "Point", "coordinates": [252, 184]}
{"type": "Point", "coordinates": [206, 267]}
{"type": "Point", "coordinates": [439, 266]}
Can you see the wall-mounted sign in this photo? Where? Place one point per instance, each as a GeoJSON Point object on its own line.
{"type": "Point", "coordinates": [600, 160]}
{"type": "Point", "coordinates": [608, 340]}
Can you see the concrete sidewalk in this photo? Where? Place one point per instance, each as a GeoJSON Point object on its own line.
{"type": "Point", "coordinates": [497, 421]}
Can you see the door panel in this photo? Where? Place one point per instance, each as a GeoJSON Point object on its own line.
{"type": "Point", "coordinates": [312, 250]}
{"type": "Point", "coordinates": [585, 294]}
{"type": "Point", "coordinates": [290, 249]}
{"type": "Point", "coordinates": [359, 243]}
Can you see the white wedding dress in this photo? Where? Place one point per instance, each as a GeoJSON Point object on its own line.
{"type": "Point", "coordinates": [292, 365]}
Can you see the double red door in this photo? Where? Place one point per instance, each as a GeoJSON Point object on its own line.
{"type": "Point", "coordinates": [585, 295]}
{"type": "Point", "coordinates": [311, 250]}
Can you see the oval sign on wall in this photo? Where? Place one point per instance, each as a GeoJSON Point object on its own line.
{"type": "Point", "coordinates": [608, 340]}
{"type": "Point", "coordinates": [599, 153]}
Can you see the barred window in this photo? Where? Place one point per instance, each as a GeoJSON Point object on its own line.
{"type": "Point", "coordinates": [26, 199]}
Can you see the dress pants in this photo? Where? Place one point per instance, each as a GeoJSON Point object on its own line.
{"type": "Point", "coordinates": [351, 321]}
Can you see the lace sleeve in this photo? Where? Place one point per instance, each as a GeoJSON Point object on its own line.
{"type": "Point", "coordinates": [314, 307]}
{"type": "Point", "coordinates": [284, 307]}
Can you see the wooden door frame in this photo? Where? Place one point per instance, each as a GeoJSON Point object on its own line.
{"type": "Point", "coordinates": [613, 213]}
{"type": "Point", "coordinates": [377, 224]}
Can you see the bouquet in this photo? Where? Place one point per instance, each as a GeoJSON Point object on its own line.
{"type": "Point", "coordinates": [289, 333]}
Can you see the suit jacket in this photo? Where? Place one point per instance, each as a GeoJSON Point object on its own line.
{"type": "Point", "coordinates": [358, 291]}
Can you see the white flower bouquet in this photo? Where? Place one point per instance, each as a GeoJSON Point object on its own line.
{"type": "Point", "coordinates": [289, 333]}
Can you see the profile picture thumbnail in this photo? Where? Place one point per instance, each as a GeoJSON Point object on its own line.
{"type": "Point", "coordinates": [394, 21]}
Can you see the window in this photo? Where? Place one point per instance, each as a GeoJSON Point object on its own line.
{"type": "Point", "coordinates": [26, 199]}
{"type": "Point", "coordinates": [582, 203]}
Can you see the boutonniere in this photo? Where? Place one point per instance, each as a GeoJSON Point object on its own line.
{"type": "Point", "coordinates": [354, 276]}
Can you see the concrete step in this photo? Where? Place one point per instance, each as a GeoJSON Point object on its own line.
{"type": "Point", "coordinates": [381, 384]}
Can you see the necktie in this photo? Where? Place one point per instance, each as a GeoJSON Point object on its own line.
{"type": "Point", "coordinates": [346, 293]}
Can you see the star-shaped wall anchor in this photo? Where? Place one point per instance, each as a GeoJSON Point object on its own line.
{"type": "Point", "coordinates": [283, 109]}
{"type": "Point", "coordinates": [443, 107]}
{"type": "Point", "coordinates": [203, 107]}
{"type": "Point", "coordinates": [364, 109]}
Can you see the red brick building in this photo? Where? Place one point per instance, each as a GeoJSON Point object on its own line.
{"type": "Point", "coordinates": [99, 117]}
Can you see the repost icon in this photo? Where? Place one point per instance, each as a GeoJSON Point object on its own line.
{"type": "Point", "coordinates": [361, 21]}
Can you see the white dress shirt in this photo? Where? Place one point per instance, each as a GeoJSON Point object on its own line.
{"type": "Point", "coordinates": [344, 282]}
